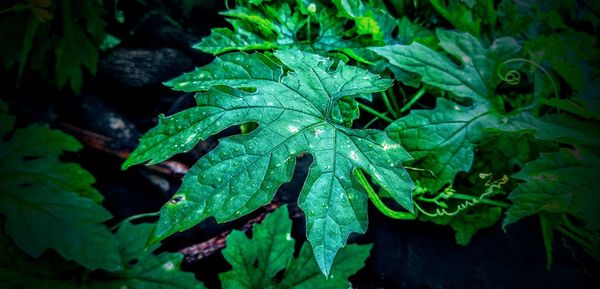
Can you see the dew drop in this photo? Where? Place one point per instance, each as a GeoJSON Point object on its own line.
{"type": "Point", "coordinates": [176, 199]}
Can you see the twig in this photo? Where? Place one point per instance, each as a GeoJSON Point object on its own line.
{"type": "Point", "coordinates": [207, 248]}
{"type": "Point", "coordinates": [112, 147]}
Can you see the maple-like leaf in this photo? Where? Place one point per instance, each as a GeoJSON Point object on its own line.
{"type": "Point", "coordinates": [258, 260]}
{"type": "Point", "coordinates": [292, 103]}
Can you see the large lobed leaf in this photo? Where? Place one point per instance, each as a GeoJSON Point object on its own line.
{"type": "Point", "coordinates": [256, 262]}
{"type": "Point", "coordinates": [292, 104]}
{"type": "Point", "coordinates": [50, 204]}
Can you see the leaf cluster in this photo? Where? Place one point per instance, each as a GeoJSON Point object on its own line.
{"type": "Point", "coordinates": [58, 40]}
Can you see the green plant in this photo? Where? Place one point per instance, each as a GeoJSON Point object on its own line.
{"type": "Point", "coordinates": [488, 96]}
{"type": "Point", "coordinates": [57, 39]}
{"type": "Point", "coordinates": [50, 207]}
{"type": "Point", "coordinates": [293, 98]}
{"type": "Point", "coordinates": [258, 262]}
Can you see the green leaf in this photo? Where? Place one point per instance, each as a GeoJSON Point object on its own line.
{"type": "Point", "coordinates": [284, 25]}
{"type": "Point", "coordinates": [562, 182]}
{"type": "Point", "coordinates": [75, 50]}
{"type": "Point", "coordinates": [257, 261]}
{"type": "Point", "coordinates": [142, 268]}
{"type": "Point", "coordinates": [17, 270]}
{"type": "Point", "coordinates": [475, 79]}
{"type": "Point", "coordinates": [293, 110]}
{"type": "Point", "coordinates": [567, 53]}
{"type": "Point", "coordinates": [254, 28]}
{"type": "Point", "coordinates": [442, 140]}
{"type": "Point", "coordinates": [466, 15]}
{"type": "Point", "coordinates": [50, 204]}
{"type": "Point", "coordinates": [468, 223]}
{"type": "Point", "coordinates": [548, 223]}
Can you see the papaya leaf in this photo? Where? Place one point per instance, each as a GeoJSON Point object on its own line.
{"type": "Point", "coordinates": [292, 104]}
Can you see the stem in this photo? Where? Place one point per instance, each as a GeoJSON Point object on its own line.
{"type": "Point", "coordinates": [373, 120]}
{"type": "Point", "coordinates": [227, 4]}
{"type": "Point", "coordinates": [413, 100]}
{"type": "Point", "coordinates": [393, 99]}
{"type": "Point", "coordinates": [375, 113]}
{"type": "Point", "coordinates": [567, 105]}
{"type": "Point", "coordinates": [575, 238]}
{"type": "Point", "coordinates": [378, 202]}
{"type": "Point", "coordinates": [308, 27]}
{"type": "Point", "coordinates": [15, 8]}
{"type": "Point", "coordinates": [476, 199]}
{"type": "Point", "coordinates": [491, 13]}
{"type": "Point", "coordinates": [577, 230]}
{"type": "Point", "coordinates": [134, 217]}
{"type": "Point", "coordinates": [389, 107]}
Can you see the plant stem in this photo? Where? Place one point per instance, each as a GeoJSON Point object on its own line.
{"type": "Point", "coordinates": [477, 200]}
{"type": "Point", "coordinates": [491, 13]}
{"type": "Point", "coordinates": [393, 99]}
{"type": "Point", "coordinates": [134, 217]}
{"type": "Point", "coordinates": [378, 202]}
{"type": "Point", "coordinates": [389, 107]}
{"type": "Point", "coordinates": [308, 27]}
{"type": "Point", "coordinates": [577, 230]}
{"type": "Point", "coordinates": [413, 100]}
{"type": "Point", "coordinates": [15, 8]}
{"type": "Point", "coordinates": [373, 120]}
{"type": "Point", "coordinates": [374, 112]}
{"type": "Point", "coordinates": [575, 238]}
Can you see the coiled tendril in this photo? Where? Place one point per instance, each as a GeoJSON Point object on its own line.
{"type": "Point", "coordinates": [513, 76]}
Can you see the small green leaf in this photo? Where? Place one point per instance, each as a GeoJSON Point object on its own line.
{"type": "Point", "coordinates": [75, 50]}
{"type": "Point", "coordinates": [257, 261]}
{"type": "Point", "coordinates": [294, 113]}
{"type": "Point", "coordinates": [142, 268]}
